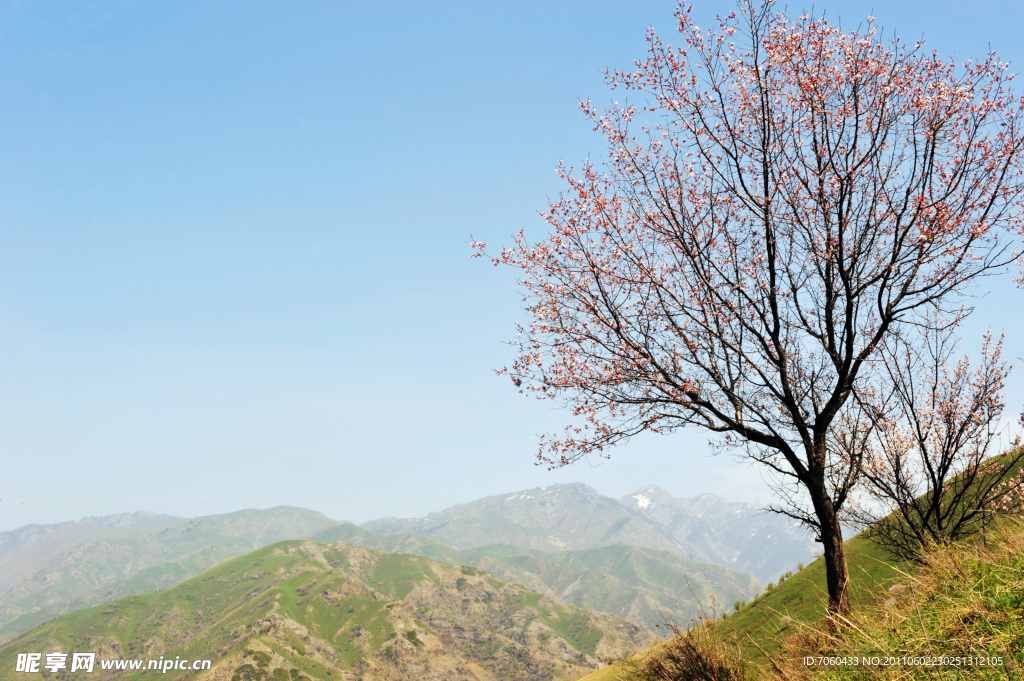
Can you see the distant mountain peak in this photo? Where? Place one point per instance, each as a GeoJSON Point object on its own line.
{"type": "Point", "coordinates": [651, 492]}
{"type": "Point", "coordinates": [560, 487]}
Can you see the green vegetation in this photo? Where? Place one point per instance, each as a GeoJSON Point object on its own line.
{"type": "Point", "coordinates": [966, 602]}
{"type": "Point", "coordinates": [575, 627]}
{"type": "Point", "coordinates": [301, 610]}
{"type": "Point", "coordinates": [401, 573]}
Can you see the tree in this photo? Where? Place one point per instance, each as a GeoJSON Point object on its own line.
{"type": "Point", "coordinates": [784, 197]}
{"type": "Point", "coordinates": [928, 466]}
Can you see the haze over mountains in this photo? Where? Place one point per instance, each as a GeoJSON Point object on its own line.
{"type": "Point", "coordinates": [706, 529]}
{"type": "Point", "coordinates": [49, 570]}
{"type": "Point", "coordinates": [637, 557]}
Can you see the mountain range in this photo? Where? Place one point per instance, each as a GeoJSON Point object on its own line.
{"type": "Point", "coordinates": [300, 610]}
{"type": "Point", "coordinates": [645, 586]}
{"type": "Point", "coordinates": [704, 529]}
{"type": "Point", "coordinates": [646, 557]}
{"type": "Point", "coordinates": [49, 570]}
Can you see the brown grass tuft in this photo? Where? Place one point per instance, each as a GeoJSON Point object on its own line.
{"type": "Point", "coordinates": [697, 654]}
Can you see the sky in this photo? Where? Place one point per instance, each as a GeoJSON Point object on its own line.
{"type": "Point", "coordinates": [234, 261]}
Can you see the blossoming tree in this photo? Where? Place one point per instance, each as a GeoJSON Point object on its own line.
{"type": "Point", "coordinates": [928, 442]}
{"type": "Point", "coordinates": [781, 197]}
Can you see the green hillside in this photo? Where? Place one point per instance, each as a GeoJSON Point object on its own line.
{"type": "Point", "coordinates": [645, 586]}
{"type": "Point", "coordinates": [300, 609]}
{"type": "Point", "coordinates": [967, 601]}
{"type": "Point", "coordinates": [803, 598]}
{"type": "Point", "coordinates": [775, 617]}
{"type": "Point", "coordinates": [759, 627]}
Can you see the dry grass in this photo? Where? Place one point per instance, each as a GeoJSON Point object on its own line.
{"type": "Point", "coordinates": [966, 601]}
{"type": "Point", "coordinates": [697, 654]}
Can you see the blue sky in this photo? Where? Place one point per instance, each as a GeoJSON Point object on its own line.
{"type": "Point", "coordinates": [234, 268]}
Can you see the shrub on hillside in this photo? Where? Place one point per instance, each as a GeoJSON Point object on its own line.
{"type": "Point", "coordinates": [927, 445]}
{"type": "Point", "coordinates": [696, 654]}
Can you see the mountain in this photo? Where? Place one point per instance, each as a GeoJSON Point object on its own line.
{"type": "Point", "coordinates": [575, 517]}
{"type": "Point", "coordinates": [48, 570]}
{"type": "Point", "coordinates": [300, 610]}
{"type": "Point", "coordinates": [24, 549]}
{"type": "Point", "coordinates": [710, 529]}
{"type": "Point", "coordinates": [645, 586]}
{"type": "Point", "coordinates": [555, 518]}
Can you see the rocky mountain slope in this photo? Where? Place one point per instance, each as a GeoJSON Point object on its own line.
{"type": "Point", "coordinates": [302, 610]}
{"type": "Point", "coordinates": [645, 586]}
{"type": "Point", "coordinates": [575, 517]}
{"type": "Point", "coordinates": [710, 529]}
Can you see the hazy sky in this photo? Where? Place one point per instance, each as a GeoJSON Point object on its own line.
{"type": "Point", "coordinates": [234, 268]}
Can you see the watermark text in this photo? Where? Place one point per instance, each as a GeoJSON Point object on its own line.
{"type": "Point", "coordinates": [53, 662]}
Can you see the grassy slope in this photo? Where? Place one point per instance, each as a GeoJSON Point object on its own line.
{"type": "Point", "coordinates": [758, 628]}
{"type": "Point", "coordinates": [758, 625]}
{"type": "Point", "coordinates": [967, 602]}
{"type": "Point", "coordinates": [803, 598]}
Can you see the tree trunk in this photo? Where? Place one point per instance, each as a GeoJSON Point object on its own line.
{"type": "Point", "coordinates": [837, 575]}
